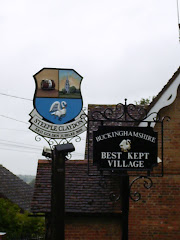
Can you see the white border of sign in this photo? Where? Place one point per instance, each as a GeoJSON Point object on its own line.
{"type": "Point", "coordinates": [55, 131]}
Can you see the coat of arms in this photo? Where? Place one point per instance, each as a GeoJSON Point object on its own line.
{"type": "Point", "coordinates": [57, 100]}
{"type": "Point", "coordinates": [58, 96]}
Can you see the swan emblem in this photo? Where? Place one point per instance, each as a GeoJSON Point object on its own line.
{"type": "Point", "coordinates": [58, 109]}
{"type": "Point", "coordinates": [125, 145]}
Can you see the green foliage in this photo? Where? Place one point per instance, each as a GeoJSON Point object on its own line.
{"type": "Point", "coordinates": [64, 91]}
{"type": "Point", "coordinates": [72, 89]}
{"type": "Point", "coordinates": [144, 101]}
{"type": "Point", "coordinates": [15, 223]}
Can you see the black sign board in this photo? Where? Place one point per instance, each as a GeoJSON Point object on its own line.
{"type": "Point", "coordinates": [125, 148]}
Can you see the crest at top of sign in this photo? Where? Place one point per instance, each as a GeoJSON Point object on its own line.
{"type": "Point", "coordinates": [58, 95]}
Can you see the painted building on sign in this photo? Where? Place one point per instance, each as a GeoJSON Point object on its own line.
{"type": "Point", "coordinates": [67, 85]}
{"type": "Point", "coordinates": [93, 210]}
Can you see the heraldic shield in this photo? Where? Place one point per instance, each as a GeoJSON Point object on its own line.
{"type": "Point", "coordinates": [58, 95]}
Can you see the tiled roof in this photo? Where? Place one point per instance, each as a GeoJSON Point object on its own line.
{"type": "Point", "coordinates": [84, 195]}
{"type": "Point", "coordinates": [15, 189]}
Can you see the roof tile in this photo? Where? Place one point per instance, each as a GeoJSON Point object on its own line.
{"type": "Point", "coordinates": [83, 193]}
{"type": "Point", "coordinates": [15, 189]}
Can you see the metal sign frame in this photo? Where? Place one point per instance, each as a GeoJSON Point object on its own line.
{"type": "Point", "coordinates": [123, 115]}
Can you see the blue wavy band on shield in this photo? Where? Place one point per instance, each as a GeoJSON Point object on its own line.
{"type": "Point", "coordinates": [58, 111]}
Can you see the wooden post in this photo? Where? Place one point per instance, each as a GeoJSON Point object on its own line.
{"type": "Point", "coordinates": [58, 195]}
{"type": "Point", "coordinates": [58, 190]}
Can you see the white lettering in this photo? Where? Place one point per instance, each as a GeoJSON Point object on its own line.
{"type": "Point", "coordinates": [103, 155]}
{"type": "Point", "coordinates": [137, 155]}
{"type": "Point", "coordinates": [110, 162]}
{"type": "Point", "coordinates": [111, 155]}
{"type": "Point", "coordinates": [125, 134]}
{"type": "Point", "coordinates": [124, 164]}
{"type": "Point", "coordinates": [141, 164]}
{"type": "Point", "coordinates": [146, 155]}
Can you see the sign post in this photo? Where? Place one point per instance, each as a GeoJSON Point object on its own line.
{"type": "Point", "coordinates": [58, 193]}
{"type": "Point", "coordinates": [118, 146]}
{"type": "Point", "coordinates": [58, 114]}
{"type": "Point", "coordinates": [58, 190]}
{"type": "Point", "coordinates": [125, 149]}
{"type": "Point", "coordinates": [125, 206]}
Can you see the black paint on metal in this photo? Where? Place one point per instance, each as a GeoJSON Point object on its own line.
{"type": "Point", "coordinates": [58, 190]}
{"type": "Point", "coordinates": [123, 115]}
{"type": "Point", "coordinates": [125, 206]}
{"type": "Point", "coordinates": [58, 195]}
{"type": "Point", "coordinates": [129, 115]}
{"type": "Point", "coordinates": [111, 144]}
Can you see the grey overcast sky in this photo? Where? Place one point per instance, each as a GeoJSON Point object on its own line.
{"type": "Point", "coordinates": [122, 48]}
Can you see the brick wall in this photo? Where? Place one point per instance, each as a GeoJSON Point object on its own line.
{"type": "Point", "coordinates": [157, 215]}
{"type": "Point", "coordinates": [93, 228]}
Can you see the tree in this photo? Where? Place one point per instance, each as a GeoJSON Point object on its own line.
{"type": "Point", "coordinates": [16, 224]}
{"type": "Point", "coordinates": [144, 101]}
{"type": "Point", "coordinates": [72, 89]}
{"type": "Point", "coordinates": [64, 91]}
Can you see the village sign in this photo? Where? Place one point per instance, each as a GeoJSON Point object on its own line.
{"type": "Point", "coordinates": [58, 104]}
{"type": "Point", "coordinates": [125, 148]}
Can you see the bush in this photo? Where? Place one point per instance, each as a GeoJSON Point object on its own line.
{"type": "Point", "coordinates": [72, 89]}
{"type": "Point", "coordinates": [17, 224]}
